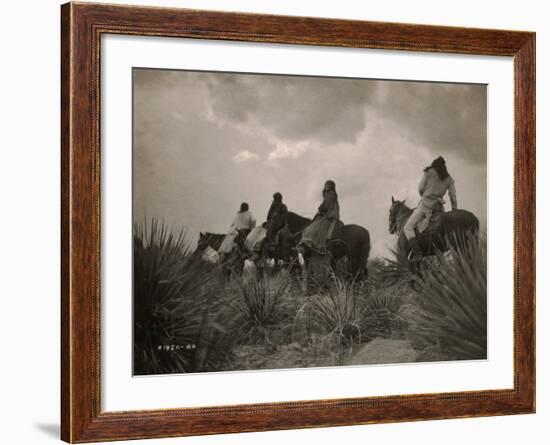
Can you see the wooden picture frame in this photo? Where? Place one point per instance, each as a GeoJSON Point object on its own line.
{"type": "Point", "coordinates": [82, 25]}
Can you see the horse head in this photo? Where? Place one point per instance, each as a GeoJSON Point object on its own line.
{"type": "Point", "coordinates": [396, 209]}
{"type": "Point", "coordinates": [297, 223]}
{"type": "Point", "coordinates": [203, 241]}
{"type": "Point", "coordinates": [208, 239]}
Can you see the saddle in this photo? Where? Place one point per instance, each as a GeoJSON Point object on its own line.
{"type": "Point", "coordinates": [434, 224]}
{"type": "Point", "coordinates": [335, 230]}
{"type": "Point", "coordinates": [275, 238]}
{"type": "Point", "coordinates": [320, 232]}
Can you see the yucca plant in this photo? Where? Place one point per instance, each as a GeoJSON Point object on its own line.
{"type": "Point", "coordinates": [260, 306]}
{"type": "Point", "coordinates": [453, 299]}
{"type": "Point", "coordinates": [335, 316]}
{"type": "Point", "coordinates": [337, 311]}
{"type": "Point", "coordinates": [350, 313]}
{"type": "Point", "coordinates": [380, 311]}
{"type": "Point", "coordinates": [177, 309]}
{"type": "Point", "coordinates": [391, 271]}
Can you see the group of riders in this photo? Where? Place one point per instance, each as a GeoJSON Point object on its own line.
{"type": "Point", "coordinates": [435, 183]}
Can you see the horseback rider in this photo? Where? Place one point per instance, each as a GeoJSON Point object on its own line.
{"type": "Point", "coordinates": [320, 230]}
{"type": "Point", "coordinates": [435, 183]}
{"type": "Point", "coordinates": [276, 217]}
{"type": "Point", "coordinates": [243, 223]}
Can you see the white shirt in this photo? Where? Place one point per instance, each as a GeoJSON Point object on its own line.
{"type": "Point", "coordinates": [243, 220]}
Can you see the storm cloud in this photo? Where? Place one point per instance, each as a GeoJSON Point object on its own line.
{"type": "Point", "coordinates": [294, 108]}
{"type": "Point", "coordinates": [204, 142]}
{"type": "Point", "coordinates": [442, 117]}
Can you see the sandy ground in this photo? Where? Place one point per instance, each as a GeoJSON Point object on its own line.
{"type": "Point", "coordinates": [383, 350]}
{"type": "Point", "coordinates": [377, 351]}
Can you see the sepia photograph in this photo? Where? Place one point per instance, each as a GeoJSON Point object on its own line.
{"type": "Point", "coordinates": [291, 221]}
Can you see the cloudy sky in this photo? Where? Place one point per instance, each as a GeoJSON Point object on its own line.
{"type": "Point", "coordinates": [204, 142]}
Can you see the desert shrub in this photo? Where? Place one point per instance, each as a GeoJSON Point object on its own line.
{"type": "Point", "coordinates": [380, 314]}
{"type": "Point", "coordinates": [385, 272]}
{"type": "Point", "coordinates": [453, 301]}
{"type": "Point", "coordinates": [352, 312]}
{"type": "Point", "coordinates": [332, 320]}
{"type": "Point", "coordinates": [176, 305]}
{"type": "Point", "coordinates": [261, 306]}
{"type": "Point", "coordinates": [337, 311]}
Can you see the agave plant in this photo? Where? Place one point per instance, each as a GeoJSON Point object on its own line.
{"type": "Point", "coordinates": [177, 309]}
{"type": "Point", "coordinates": [453, 298]}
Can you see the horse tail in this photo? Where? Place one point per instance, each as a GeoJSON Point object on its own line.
{"type": "Point", "coordinates": [462, 226]}
{"type": "Point", "coordinates": [364, 257]}
{"type": "Point", "coordinates": [475, 225]}
{"type": "Point", "coordinates": [474, 228]}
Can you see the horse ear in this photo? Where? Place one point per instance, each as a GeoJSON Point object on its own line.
{"type": "Point", "coordinates": [392, 199]}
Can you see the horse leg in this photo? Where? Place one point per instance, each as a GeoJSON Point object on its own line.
{"type": "Point", "coordinates": [355, 269]}
{"type": "Point", "coordinates": [295, 269]}
{"type": "Point", "coordinates": [403, 247]}
{"type": "Point", "coordinates": [239, 267]}
{"type": "Point", "coordinates": [306, 271]}
{"type": "Point", "coordinates": [362, 266]}
{"type": "Point", "coordinates": [333, 264]}
{"type": "Point", "coordinates": [227, 273]}
{"type": "Point", "coordinates": [261, 262]}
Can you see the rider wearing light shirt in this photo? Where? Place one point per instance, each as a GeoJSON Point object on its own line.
{"type": "Point", "coordinates": [244, 221]}
{"type": "Point", "coordinates": [435, 182]}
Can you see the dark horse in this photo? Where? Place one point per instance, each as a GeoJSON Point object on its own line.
{"type": "Point", "coordinates": [438, 235]}
{"type": "Point", "coordinates": [214, 240]}
{"type": "Point", "coordinates": [281, 245]}
{"type": "Point", "coordinates": [349, 241]}
{"type": "Point", "coordinates": [287, 239]}
{"type": "Point", "coordinates": [208, 239]}
{"type": "Point", "coordinates": [234, 261]}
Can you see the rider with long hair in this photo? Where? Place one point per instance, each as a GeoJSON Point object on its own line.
{"type": "Point", "coordinates": [320, 230]}
{"type": "Point", "coordinates": [276, 216]}
{"type": "Point", "coordinates": [435, 183]}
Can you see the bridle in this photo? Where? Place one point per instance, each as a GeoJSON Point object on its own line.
{"type": "Point", "coordinates": [398, 217]}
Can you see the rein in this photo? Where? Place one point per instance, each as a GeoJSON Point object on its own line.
{"type": "Point", "coordinates": [401, 219]}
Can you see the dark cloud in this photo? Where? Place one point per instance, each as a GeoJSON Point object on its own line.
{"type": "Point", "coordinates": [204, 142]}
{"type": "Point", "coordinates": [294, 108]}
{"type": "Point", "coordinates": [443, 117]}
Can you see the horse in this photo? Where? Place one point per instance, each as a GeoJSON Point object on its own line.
{"type": "Point", "coordinates": [234, 261]}
{"type": "Point", "coordinates": [286, 240]}
{"type": "Point", "coordinates": [208, 239]}
{"type": "Point", "coordinates": [349, 241]}
{"type": "Point", "coordinates": [436, 237]}
{"type": "Point", "coordinates": [279, 245]}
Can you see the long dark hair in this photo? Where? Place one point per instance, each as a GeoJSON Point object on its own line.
{"type": "Point", "coordinates": [331, 187]}
{"type": "Point", "coordinates": [440, 167]}
{"type": "Point", "coordinates": [244, 207]}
